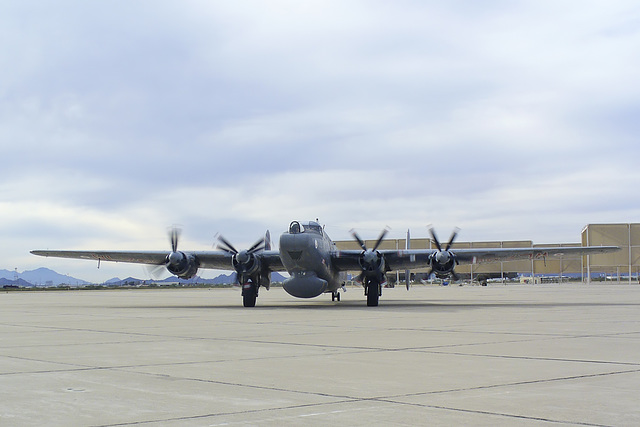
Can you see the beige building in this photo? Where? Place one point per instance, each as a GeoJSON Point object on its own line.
{"type": "Point", "coordinates": [623, 265]}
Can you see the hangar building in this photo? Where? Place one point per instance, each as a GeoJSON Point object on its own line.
{"type": "Point", "coordinates": [623, 265]}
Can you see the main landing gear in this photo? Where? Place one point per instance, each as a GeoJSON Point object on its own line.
{"type": "Point", "coordinates": [249, 294]}
{"type": "Point", "coordinates": [373, 290]}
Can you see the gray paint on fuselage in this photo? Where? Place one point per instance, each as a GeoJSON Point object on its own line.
{"type": "Point", "coordinates": [307, 253]}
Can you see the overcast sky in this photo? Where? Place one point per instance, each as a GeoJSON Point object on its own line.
{"type": "Point", "coordinates": [511, 120]}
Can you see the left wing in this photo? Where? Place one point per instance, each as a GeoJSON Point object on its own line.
{"type": "Point", "coordinates": [443, 260]}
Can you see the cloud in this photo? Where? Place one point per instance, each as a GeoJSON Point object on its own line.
{"type": "Point", "coordinates": [118, 119]}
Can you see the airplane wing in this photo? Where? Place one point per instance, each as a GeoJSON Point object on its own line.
{"type": "Point", "coordinates": [219, 260]}
{"type": "Point", "coordinates": [349, 260]}
{"type": "Point", "coordinates": [478, 256]}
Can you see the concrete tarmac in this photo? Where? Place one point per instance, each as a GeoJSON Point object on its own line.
{"type": "Point", "coordinates": [498, 355]}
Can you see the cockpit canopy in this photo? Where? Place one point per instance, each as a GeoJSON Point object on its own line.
{"type": "Point", "coordinates": [309, 227]}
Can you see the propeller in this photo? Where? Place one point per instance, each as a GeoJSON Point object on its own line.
{"type": "Point", "coordinates": [175, 257]}
{"type": "Point", "coordinates": [174, 235]}
{"type": "Point", "coordinates": [443, 261]}
{"type": "Point", "coordinates": [176, 262]}
{"type": "Point", "coordinates": [371, 262]}
{"type": "Point", "coordinates": [244, 262]}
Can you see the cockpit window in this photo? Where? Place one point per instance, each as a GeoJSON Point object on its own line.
{"type": "Point", "coordinates": [295, 228]}
{"type": "Point", "coordinates": [314, 227]}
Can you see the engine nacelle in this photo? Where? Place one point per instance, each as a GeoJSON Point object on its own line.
{"type": "Point", "coordinates": [246, 265]}
{"type": "Point", "coordinates": [443, 263]}
{"type": "Point", "coordinates": [372, 264]}
{"type": "Point", "coordinates": [185, 266]}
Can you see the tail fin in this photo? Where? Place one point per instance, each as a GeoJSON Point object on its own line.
{"type": "Point", "coordinates": [267, 241]}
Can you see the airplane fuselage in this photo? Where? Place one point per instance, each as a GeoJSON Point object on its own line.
{"type": "Point", "coordinates": [305, 251]}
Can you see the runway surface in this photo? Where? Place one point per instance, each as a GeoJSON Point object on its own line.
{"type": "Point", "coordinates": [497, 355]}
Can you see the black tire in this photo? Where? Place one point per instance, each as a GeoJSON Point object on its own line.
{"type": "Point", "coordinates": [372, 294]}
{"type": "Point", "coordinates": [249, 297]}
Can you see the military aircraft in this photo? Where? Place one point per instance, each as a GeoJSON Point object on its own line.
{"type": "Point", "coordinates": [314, 263]}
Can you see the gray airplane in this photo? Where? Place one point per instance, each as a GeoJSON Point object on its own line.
{"type": "Point", "coordinates": [314, 263]}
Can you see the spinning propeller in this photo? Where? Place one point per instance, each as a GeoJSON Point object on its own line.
{"type": "Point", "coordinates": [371, 261]}
{"type": "Point", "coordinates": [245, 261]}
{"type": "Point", "coordinates": [443, 261]}
{"type": "Point", "coordinates": [176, 262]}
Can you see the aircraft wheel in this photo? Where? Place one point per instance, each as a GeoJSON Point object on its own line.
{"type": "Point", "coordinates": [249, 296]}
{"type": "Point", "coordinates": [338, 295]}
{"type": "Point", "coordinates": [372, 294]}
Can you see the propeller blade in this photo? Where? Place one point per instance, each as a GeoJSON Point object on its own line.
{"type": "Point", "coordinates": [360, 241]}
{"type": "Point", "coordinates": [154, 270]}
{"type": "Point", "coordinates": [256, 246]}
{"type": "Point", "coordinates": [174, 235]}
{"type": "Point", "coordinates": [384, 233]}
{"type": "Point", "coordinates": [228, 247]}
{"type": "Point", "coordinates": [435, 238]}
{"type": "Point", "coordinates": [452, 238]}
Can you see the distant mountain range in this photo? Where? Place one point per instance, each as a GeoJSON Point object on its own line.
{"type": "Point", "coordinates": [41, 277]}
{"type": "Point", "coordinates": [45, 277]}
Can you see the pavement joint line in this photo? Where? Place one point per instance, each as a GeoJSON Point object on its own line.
{"type": "Point", "coordinates": [349, 399]}
{"type": "Point", "coordinates": [352, 399]}
{"type": "Point", "coordinates": [603, 340]}
{"type": "Point", "coordinates": [353, 350]}
{"type": "Point", "coordinates": [223, 414]}
{"type": "Point", "coordinates": [498, 414]}
{"type": "Point", "coordinates": [551, 359]}
{"type": "Point", "coordinates": [80, 367]}
{"type": "Point", "coordinates": [456, 330]}
{"type": "Point", "coordinates": [513, 384]}
{"type": "Point", "coordinates": [532, 334]}
{"type": "Point", "coordinates": [398, 396]}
